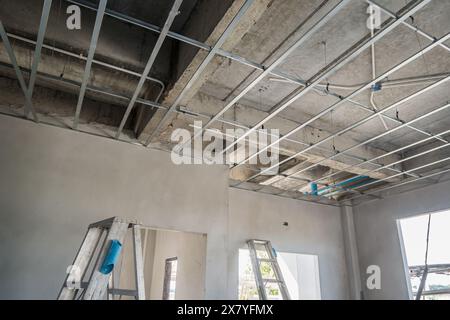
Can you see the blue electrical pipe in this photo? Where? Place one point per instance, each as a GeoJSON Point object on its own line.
{"type": "Point", "coordinates": [320, 192]}
{"type": "Point", "coordinates": [340, 189]}
{"type": "Point", "coordinates": [314, 190]}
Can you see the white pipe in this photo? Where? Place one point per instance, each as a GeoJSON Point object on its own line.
{"type": "Point", "coordinates": [374, 76]}
{"type": "Point", "coordinates": [410, 81]}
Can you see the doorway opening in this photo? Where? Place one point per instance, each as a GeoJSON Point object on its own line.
{"type": "Point", "coordinates": [300, 273]}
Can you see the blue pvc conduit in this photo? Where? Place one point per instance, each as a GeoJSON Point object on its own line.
{"type": "Point", "coordinates": [341, 184]}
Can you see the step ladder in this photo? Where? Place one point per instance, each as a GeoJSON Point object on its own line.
{"type": "Point", "coordinates": [93, 274]}
{"type": "Point", "coordinates": [262, 255]}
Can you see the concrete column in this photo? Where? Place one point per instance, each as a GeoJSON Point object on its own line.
{"type": "Point", "coordinates": [351, 253]}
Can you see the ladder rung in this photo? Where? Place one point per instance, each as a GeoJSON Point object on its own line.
{"type": "Point", "coordinates": [256, 265]}
{"type": "Point", "coordinates": [123, 292]}
{"type": "Point", "coordinates": [272, 280]}
{"type": "Point", "coordinates": [260, 241]}
{"type": "Point", "coordinates": [266, 259]}
{"type": "Point", "coordinates": [115, 291]}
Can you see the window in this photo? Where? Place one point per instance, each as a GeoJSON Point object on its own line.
{"type": "Point", "coordinates": [300, 273]}
{"type": "Point", "coordinates": [170, 279]}
{"type": "Point", "coordinates": [428, 270]}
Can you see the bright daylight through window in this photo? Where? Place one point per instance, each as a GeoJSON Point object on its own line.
{"type": "Point", "coordinates": [300, 273]}
{"type": "Point", "coordinates": [428, 261]}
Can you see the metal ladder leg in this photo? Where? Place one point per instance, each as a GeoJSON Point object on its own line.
{"type": "Point", "coordinates": [138, 263]}
{"type": "Point", "coordinates": [272, 260]}
{"type": "Point", "coordinates": [257, 271]}
{"type": "Point", "coordinates": [98, 284]}
{"type": "Point", "coordinates": [277, 270]}
{"type": "Point", "coordinates": [80, 263]}
{"type": "Point", "coordinates": [90, 257]}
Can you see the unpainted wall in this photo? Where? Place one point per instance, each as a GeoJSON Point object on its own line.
{"type": "Point", "coordinates": [378, 239]}
{"type": "Point", "coordinates": [54, 182]}
{"type": "Point", "coordinates": [312, 229]}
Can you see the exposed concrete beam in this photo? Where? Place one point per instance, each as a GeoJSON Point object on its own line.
{"type": "Point", "coordinates": [69, 69]}
{"type": "Point", "coordinates": [118, 63]}
{"type": "Point", "coordinates": [220, 13]}
{"type": "Point", "coordinates": [58, 102]}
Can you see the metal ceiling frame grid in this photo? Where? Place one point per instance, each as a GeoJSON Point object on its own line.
{"type": "Point", "coordinates": [305, 86]}
{"type": "Point", "coordinates": [28, 90]}
{"type": "Point", "coordinates": [435, 43]}
{"type": "Point", "coordinates": [92, 48]}
{"type": "Point", "coordinates": [162, 36]}
{"type": "Point", "coordinates": [332, 68]}
{"type": "Point", "coordinates": [231, 56]}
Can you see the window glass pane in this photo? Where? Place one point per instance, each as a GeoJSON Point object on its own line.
{"type": "Point", "coordinates": [170, 278]}
{"type": "Point", "coordinates": [414, 233]}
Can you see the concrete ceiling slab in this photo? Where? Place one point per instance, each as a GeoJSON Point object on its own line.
{"type": "Point", "coordinates": [269, 29]}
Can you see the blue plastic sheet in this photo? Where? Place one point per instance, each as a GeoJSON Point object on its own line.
{"type": "Point", "coordinates": [111, 257]}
